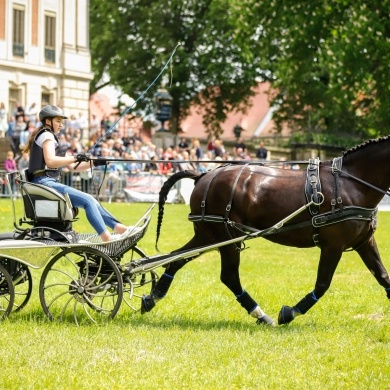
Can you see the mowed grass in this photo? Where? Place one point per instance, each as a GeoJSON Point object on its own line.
{"type": "Point", "coordinates": [199, 337]}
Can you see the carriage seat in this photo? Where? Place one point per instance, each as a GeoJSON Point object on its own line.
{"type": "Point", "coordinates": [45, 204]}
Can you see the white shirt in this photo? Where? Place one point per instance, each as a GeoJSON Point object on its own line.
{"type": "Point", "coordinates": [45, 136]}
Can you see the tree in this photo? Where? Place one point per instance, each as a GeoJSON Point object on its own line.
{"type": "Point", "coordinates": [215, 66]}
{"type": "Point", "coordinates": [329, 63]}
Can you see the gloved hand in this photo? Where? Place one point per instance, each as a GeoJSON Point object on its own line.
{"type": "Point", "coordinates": [99, 161]}
{"type": "Point", "coordinates": [82, 157]}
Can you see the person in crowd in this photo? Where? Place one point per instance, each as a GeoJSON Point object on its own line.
{"type": "Point", "coordinates": [118, 147]}
{"type": "Point", "coordinates": [219, 149]}
{"type": "Point", "coordinates": [75, 146]}
{"type": "Point", "coordinates": [3, 120]}
{"type": "Point", "coordinates": [25, 134]}
{"type": "Point", "coordinates": [127, 136]}
{"type": "Point", "coordinates": [133, 167]}
{"type": "Point", "coordinates": [11, 126]}
{"type": "Point", "coordinates": [152, 166]}
{"type": "Point", "coordinates": [175, 156]}
{"type": "Point", "coordinates": [262, 152]}
{"type": "Point", "coordinates": [186, 164]}
{"type": "Point", "coordinates": [10, 166]}
{"type": "Point", "coordinates": [183, 144]}
{"type": "Point", "coordinates": [203, 165]}
{"type": "Point", "coordinates": [71, 126]}
{"type": "Point", "coordinates": [32, 113]}
{"type": "Point", "coordinates": [105, 124]}
{"type": "Point", "coordinates": [19, 127]}
{"type": "Point", "coordinates": [240, 154]}
{"type": "Point", "coordinates": [198, 150]}
{"type": "Point", "coordinates": [165, 167]}
{"type": "Point", "coordinates": [94, 127]}
{"type": "Point", "coordinates": [19, 110]}
{"type": "Point", "coordinates": [81, 125]}
{"type": "Point", "coordinates": [46, 160]}
{"type": "Point", "coordinates": [10, 162]}
{"type": "Point", "coordinates": [211, 144]}
{"type": "Point", "coordinates": [240, 144]}
{"type": "Point", "coordinates": [24, 161]}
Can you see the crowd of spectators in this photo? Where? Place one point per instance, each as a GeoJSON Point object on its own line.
{"type": "Point", "coordinates": [92, 136]}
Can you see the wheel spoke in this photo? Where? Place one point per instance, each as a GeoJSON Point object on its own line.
{"type": "Point", "coordinates": [134, 288]}
{"type": "Point", "coordinates": [88, 277]}
{"type": "Point", "coordinates": [7, 293]}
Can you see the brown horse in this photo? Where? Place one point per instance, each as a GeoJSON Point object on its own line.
{"type": "Point", "coordinates": [234, 200]}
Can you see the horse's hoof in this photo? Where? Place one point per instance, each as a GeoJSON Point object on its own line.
{"type": "Point", "coordinates": [147, 304]}
{"type": "Point", "coordinates": [267, 320]}
{"type": "Point", "coordinates": [286, 315]}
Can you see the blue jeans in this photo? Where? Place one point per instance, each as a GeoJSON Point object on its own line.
{"type": "Point", "coordinates": [97, 216]}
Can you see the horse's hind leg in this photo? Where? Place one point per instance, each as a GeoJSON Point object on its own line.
{"type": "Point", "coordinates": [329, 260]}
{"type": "Point", "coordinates": [230, 263]}
{"type": "Point", "coordinates": [370, 255]}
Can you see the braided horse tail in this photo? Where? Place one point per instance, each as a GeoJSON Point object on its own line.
{"type": "Point", "coordinates": [188, 174]}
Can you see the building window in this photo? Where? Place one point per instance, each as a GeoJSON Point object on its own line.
{"type": "Point", "coordinates": [18, 32]}
{"type": "Point", "coordinates": [50, 39]}
{"type": "Point", "coordinates": [45, 99]}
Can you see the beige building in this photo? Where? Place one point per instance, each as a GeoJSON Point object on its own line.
{"type": "Point", "coordinates": [44, 54]}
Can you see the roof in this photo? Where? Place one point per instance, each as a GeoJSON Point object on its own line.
{"type": "Point", "coordinates": [256, 122]}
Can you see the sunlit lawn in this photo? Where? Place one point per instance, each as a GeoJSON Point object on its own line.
{"type": "Point", "coordinates": [199, 337]}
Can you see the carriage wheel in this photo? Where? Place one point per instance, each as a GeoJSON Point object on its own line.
{"type": "Point", "coordinates": [136, 286]}
{"type": "Point", "coordinates": [7, 293]}
{"type": "Point", "coordinates": [23, 284]}
{"type": "Point", "coordinates": [81, 285]}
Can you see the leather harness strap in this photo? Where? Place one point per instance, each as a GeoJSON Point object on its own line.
{"type": "Point", "coordinates": [206, 190]}
{"type": "Point", "coordinates": [313, 185]}
{"type": "Point", "coordinates": [337, 164]}
{"type": "Point", "coordinates": [229, 205]}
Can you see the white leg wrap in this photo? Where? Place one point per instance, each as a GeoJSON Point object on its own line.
{"type": "Point", "coordinates": [257, 312]}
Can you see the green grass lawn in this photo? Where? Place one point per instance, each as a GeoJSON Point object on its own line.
{"type": "Point", "coordinates": [199, 337]}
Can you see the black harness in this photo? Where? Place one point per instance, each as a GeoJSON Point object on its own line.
{"type": "Point", "coordinates": [339, 213]}
{"type": "Point", "coordinates": [313, 185]}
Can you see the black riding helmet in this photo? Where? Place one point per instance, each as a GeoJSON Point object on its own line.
{"type": "Point", "coordinates": [51, 112]}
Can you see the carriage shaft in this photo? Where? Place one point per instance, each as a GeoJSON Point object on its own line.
{"type": "Point", "coordinates": [151, 263]}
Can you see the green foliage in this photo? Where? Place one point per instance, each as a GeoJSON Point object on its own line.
{"type": "Point", "coordinates": [343, 141]}
{"type": "Point", "coordinates": [214, 66]}
{"type": "Point", "coordinates": [199, 337]}
{"type": "Point", "coordinates": [329, 62]}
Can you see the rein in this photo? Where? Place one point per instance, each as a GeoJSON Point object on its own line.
{"type": "Point", "coordinates": [139, 97]}
{"type": "Point", "coordinates": [247, 162]}
{"type": "Point", "coordinates": [365, 183]}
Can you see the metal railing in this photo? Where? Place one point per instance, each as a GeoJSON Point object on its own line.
{"type": "Point", "coordinates": [114, 185]}
{"type": "Point", "coordinates": [108, 187]}
{"type": "Point", "coordinates": [89, 184]}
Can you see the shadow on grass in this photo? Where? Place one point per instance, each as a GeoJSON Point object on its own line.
{"type": "Point", "coordinates": [36, 317]}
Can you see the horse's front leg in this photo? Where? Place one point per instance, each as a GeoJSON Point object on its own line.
{"type": "Point", "coordinates": [230, 263]}
{"type": "Point", "coordinates": [370, 255]}
{"type": "Point", "coordinates": [329, 260]}
{"type": "Point", "coordinates": [149, 301]}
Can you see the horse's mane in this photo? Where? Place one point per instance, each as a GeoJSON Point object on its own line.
{"type": "Point", "coordinates": [366, 143]}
